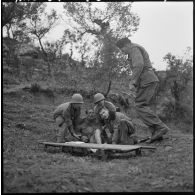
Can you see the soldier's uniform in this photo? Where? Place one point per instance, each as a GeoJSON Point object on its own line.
{"type": "Point", "coordinates": [146, 83]}
{"type": "Point", "coordinates": [66, 118]}
{"type": "Point", "coordinates": [121, 129]}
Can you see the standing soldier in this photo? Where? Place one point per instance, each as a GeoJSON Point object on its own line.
{"type": "Point", "coordinates": [67, 117]}
{"type": "Point", "coordinates": [146, 84]}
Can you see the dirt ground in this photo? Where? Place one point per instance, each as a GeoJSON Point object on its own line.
{"type": "Point", "coordinates": [26, 167]}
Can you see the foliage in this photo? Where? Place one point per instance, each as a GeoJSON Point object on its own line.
{"type": "Point", "coordinates": [15, 17]}
{"type": "Point", "coordinates": [179, 73]}
{"type": "Point", "coordinates": [40, 24]}
{"type": "Point", "coordinates": [13, 12]}
{"type": "Point", "coordinates": [35, 87]}
{"type": "Point", "coordinates": [99, 24]}
{"type": "Point", "coordinates": [40, 21]}
{"type": "Point", "coordinates": [91, 19]}
{"type": "Point", "coordinates": [177, 81]}
{"type": "Point", "coordinates": [31, 21]}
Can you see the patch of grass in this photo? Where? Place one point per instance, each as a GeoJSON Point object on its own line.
{"type": "Point", "coordinates": [9, 79]}
{"type": "Point", "coordinates": [36, 88]}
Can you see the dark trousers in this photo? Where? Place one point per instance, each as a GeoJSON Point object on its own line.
{"type": "Point", "coordinates": [125, 130]}
{"type": "Point", "coordinates": [145, 102]}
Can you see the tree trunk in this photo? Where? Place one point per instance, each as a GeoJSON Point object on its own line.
{"type": "Point", "coordinates": [8, 26]}
{"type": "Point", "coordinates": [109, 87]}
{"type": "Point", "coordinates": [46, 57]}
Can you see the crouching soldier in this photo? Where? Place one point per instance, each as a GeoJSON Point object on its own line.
{"type": "Point", "coordinates": [118, 128]}
{"type": "Point", "coordinates": [67, 116]}
{"type": "Point", "coordinates": [89, 128]}
{"type": "Point", "coordinates": [100, 102]}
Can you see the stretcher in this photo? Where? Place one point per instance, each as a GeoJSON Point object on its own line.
{"type": "Point", "coordinates": [104, 150]}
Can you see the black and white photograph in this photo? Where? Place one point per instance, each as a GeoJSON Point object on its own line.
{"type": "Point", "coordinates": [97, 96]}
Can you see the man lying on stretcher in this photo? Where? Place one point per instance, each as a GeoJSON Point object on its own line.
{"type": "Point", "coordinates": [89, 128]}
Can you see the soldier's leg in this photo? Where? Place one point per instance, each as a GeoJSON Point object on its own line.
{"type": "Point", "coordinates": [145, 99]}
{"type": "Point", "coordinates": [97, 136]}
{"type": "Point", "coordinates": [92, 139]}
{"type": "Point", "coordinates": [78, 121]}
{"type": "Point", "coordinates": [131, 130]}
{"type": "Point", "coordinates": [61, 128]}
{"type": "Point", "coordinates": [123, 133]}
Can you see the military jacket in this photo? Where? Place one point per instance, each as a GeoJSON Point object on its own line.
{"type": "Point", "coordinates": [70, 115]}
{"type": "Point", "coordinates": [142, 71]}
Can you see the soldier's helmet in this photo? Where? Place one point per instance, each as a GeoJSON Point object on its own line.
{"type": "Point", "coordinates": [77, 99]}
{"type": "Point", "coordinates": [98, 97]}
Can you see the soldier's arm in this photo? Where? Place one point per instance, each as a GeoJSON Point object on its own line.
{"type": "Point", "coordinates": [137, 64]}
{"type": "Point", "coordinates": [78, 119]}
{"type": "Point", "coordinates": [105, 132]}
{"type": "Point", "coordinates": [115, 134]}
{"type": "Point", "coordinates": [96, 109]}
{"type": "Point", "coordinates": [111, 107]}
{"type": "Point", "coordinates": [68, 121]}
{"type": "Point", "coordinates": [56, 113]}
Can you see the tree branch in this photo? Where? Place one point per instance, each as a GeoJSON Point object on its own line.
{"type": "Point", "coordinates": [7, 17]}
{"type": "Point", "coordinates": [109, 87]}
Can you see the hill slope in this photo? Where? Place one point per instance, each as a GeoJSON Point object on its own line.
{"type": "Point", "coordinates": [27, 118]}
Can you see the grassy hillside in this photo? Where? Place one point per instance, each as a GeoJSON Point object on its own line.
{"type": "Point", "coordinates": [27, 118]}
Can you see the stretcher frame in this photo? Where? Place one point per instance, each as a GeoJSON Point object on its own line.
{"type": "Point", "coordinates": [106, 149]}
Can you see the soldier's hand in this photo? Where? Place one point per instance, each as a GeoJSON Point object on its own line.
{"type": "Point", "coordinates": [84, 139]}
{"type": "Point", "coordinates": [77, 136]}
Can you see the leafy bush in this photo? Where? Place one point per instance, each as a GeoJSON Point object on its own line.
{"type": "Point", "coordinates": [35, 87]}
{"type": "Point", "coordinates": [165, 109]}
{"type": "Point", "coordinates": [175, 111]}
{"type": "Point", "coordinates": [176, 82]}
{"type": "Point", "coordinates": [184, 113]}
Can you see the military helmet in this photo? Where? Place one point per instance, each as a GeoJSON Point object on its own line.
{"type": "Point", "coordinates": [122, 42]}
{"type": "Point", "coordinates": [98, 97]}
{"type": "Point", "coordinates": [77, 99]}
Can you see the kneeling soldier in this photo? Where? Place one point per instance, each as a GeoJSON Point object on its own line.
{"type": "Point", "coordinates": [67, 116]}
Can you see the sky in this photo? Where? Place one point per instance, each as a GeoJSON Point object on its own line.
{"type": "Point", "coordinates": [164, 27]}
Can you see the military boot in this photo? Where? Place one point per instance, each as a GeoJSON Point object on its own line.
{"type": "Point", "coordinates": [160, 130]}
{"type": "Point", "coordinates": [152, 130]}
